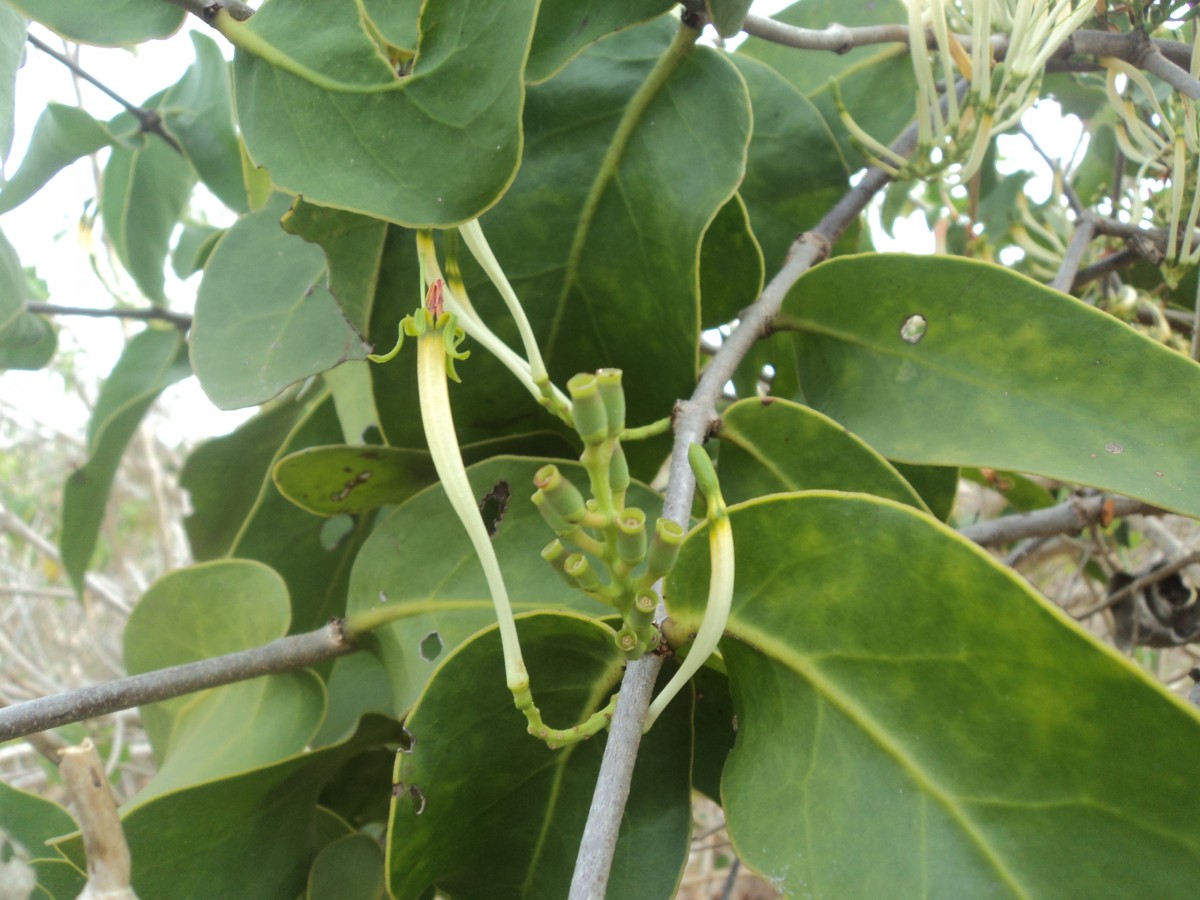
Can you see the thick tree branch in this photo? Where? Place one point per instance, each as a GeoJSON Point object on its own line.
{"type": "Point", "coordinates": [148, 119]}
{"type": "Point", "coordinates": [693, 420]}
{"type": "Point", "coordinates": [1168, 60]}
{"type": "Point", "coordinates": [109, 865]}
{"type": "Point", "coordinates": [1066, 518]}
{"type": "Point", "coordinates": [1064, 278]}
{"type": "Point", "coordinates": [164, 315]}
{"type": "Point", "coordinates": [283, 655]}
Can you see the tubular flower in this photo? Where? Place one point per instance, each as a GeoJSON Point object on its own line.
{"type": "Point", "coordinates": [997, 93]}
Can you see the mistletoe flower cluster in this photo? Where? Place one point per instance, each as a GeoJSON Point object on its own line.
{"type": "Point", "coordinates": [960, 34]}
{"type": "Point", "coordinates": [1165, 139]}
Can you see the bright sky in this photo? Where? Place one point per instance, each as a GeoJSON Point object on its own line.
{"type": "Point", "coordinates": [46, 231]}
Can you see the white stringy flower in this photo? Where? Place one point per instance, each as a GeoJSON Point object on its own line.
{"type": "Point", "coordinates": [961, 34]}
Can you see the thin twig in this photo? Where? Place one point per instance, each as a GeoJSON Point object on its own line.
{"type": "Point", "coordinates": [1066, 518]}
{"type": "Point", "coordinates": [283, 655]}
{"type": "Point", "coordinates": [163, 315]}
{"type": "Point", "coordinates": [10, 522]}
{"type": "Point", "coordinates": [693, 419]}
{"type": "Point", "coordinates": [149, 119]}
{"type": "Point", "coordinates": [1152, 577]}
{"type": "Point", "coordinates": [1114, 262]}
{"type": "Point", "coordinates": [1085, 230]}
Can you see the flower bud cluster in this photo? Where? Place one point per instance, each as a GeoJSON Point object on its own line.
{"type": "Point", "coordinates": [603, 547]}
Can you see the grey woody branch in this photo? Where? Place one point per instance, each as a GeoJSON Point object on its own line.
{"type": "Point", "coordinates": [1066, 518]}
{"type": "Point", "coordinates": [283, 655]}
{"type": "Point", "coordinates": [1168, 60]}
{"type": "Point", "coordinates": [694, 419]}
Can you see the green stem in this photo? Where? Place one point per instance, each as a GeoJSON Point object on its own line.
{"type": "Point", "coordinates": [368, 620]}
{"type": "Point", "coordinates": [720, 585]}
{"type": "Point", "coordinates": [662, 426]}
{"type": "Point", "coordinates": [249, 41]}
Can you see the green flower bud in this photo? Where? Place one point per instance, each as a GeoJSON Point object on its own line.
{"type": "Point", "coordinates": [556, 555]}
{"type": "Point", "coordinates": [645, 604]}
{"type": "Point", "coordinates": [613, 395]}
{"type": "Point", "coordinates": [578, 567]}
{"type": "Point", "coordinates": [628, 643]}
{"type": "Point", "coordinates": [618, 469]}
{"type": "Point", "coordinates": [587, 407]}
{"type": "Point", "coordinates": [562, 496]}
{"type": "Point", "coordinates": [664, 548]}
{"type": "Point", "coordinates": [557, 523]}
{"type": "Point", "coordinates": [631, 535]}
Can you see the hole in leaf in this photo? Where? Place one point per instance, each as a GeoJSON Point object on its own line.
{"type": "Point", "coordinates": [408, 740]}
{"type": "Point", "coordinates": [1114, 447]}
{"type": "Point", "coordinates": [913, 329]}
{"type": "Point", "coordinates": [493, 505]}
{"type": "Point", "coordinates": [431, 646]}
{"type": "Point", "coordinates": [418, 799]}
{"type": "Point", "coordinates": [333, 530]}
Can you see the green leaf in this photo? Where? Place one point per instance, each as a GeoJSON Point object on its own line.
{"type": "Point", "coordinates": [771, 446]}
{"type": "Point", "coordinates": [108, 23]}
{"type": "Point", "coordinates": [204, 611]}
{"type": "Point", "coordinates": [195, 245]}
{"type": "Point", "coordinates": [610, 282]}
{"type": "Point", "coordinates": [27, 822]}
{"type": "Point", "coordinates": [1006, 374]}
{"type": "Point", "coordinates": [151, 361]}
{"type": "Point", "coordinates": [731, 265]}
{"type": "Point", "coordinates": [261, 828]}
{"type": "Point", "coordinates": [474, 771]}
{"type": "Point", "coordinates": [26, 341]}
{"type": "Point", "coordinates": [198, 112]}
{"type": "Point", "coordinates": [224, 477]}
{"type": "Point", "coordinates": [786, 192]}
{"type": "Point", "coordinates": [419, 561]}
{"type": "Point", "coordinates": [876, 82]}
{"type": "Point", "coordinates": [350, 868]}
{"type": "Point", "coordinates": [142, 196]}
{"type": "Point", "coordinates": [330, 481]}
{"type": "Point", "coordinates": [1022, 494]}
{"type": "Point", "coordinates": [566, 29]}
{"type": "Point", "coordinates": [435, 147]}
{"type": "Point", "coordinates": [12, 52]}
{"type": "Point", "coordinates": [727, 15]}
{"type": "Point", "coordinates": [353, 246]}
{"type": "Point", "coordinates": [265, 317]}
{"type": "Point", "coordinates": [62, 135]}
{"type": "Point", "coordinates": [914, 720]}
{"type": "Point", "coordinates": [937, 486]}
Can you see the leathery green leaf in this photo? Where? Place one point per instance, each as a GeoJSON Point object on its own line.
{"type": "Point", "coordinates": [12, 51]}
{"type": "Point", "coordinates": [261, 828]}
{"type": "Point", "coordinates": [152, 360]}
{"type": "Point", "coordinates": [265, 317]}
{"type": "Point", "coordinates": [605, 262]}
{"type": "Point", "coordinates": [914, 720]}
{"type": "Point", "coordinates": [329, 108]}
{"type": "Point", "coordinates": [957, 362]}
{"type": "Point", "coordinates": [62, 135]}
{"type": "Point", "coordinates": [565, 29]}
{"type": "Point", "coordinates": [331, 481]}
{"type": "Point", "coordinates": [109, 23]}
{"type": "Point", "coordinates": [143, 194]}
{"type": "Point", "coordinates": [420, 560]}
{"type": "Point", "coordinates": [350, 868]}
{"type": "Point", "coordinates": [452, 826]}
{"type": "Point", "coordinates": [27, 822]}
{"type": "Point", "coordinates": [204, 611]}
{"type": "Point", "coordinates": [769, 446]}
